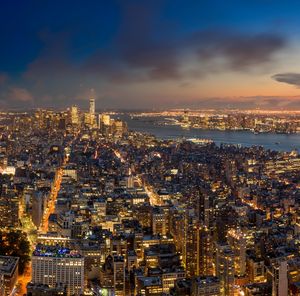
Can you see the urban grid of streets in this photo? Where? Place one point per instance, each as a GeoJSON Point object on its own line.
{"type": "Point", "coordinates": [171, 214]}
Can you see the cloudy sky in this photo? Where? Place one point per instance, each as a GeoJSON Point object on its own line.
{"type": "Point", "coordinates": [150, 54]}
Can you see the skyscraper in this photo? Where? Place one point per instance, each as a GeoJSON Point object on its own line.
{"type": "Point", "coordinates": [74, 115]}
{"type": "Point", "coordinates": [190, 243]}
{"type": "Point", "coordinates": [92, 106]}
{"type": "Point", "coordinates": [92, 112]}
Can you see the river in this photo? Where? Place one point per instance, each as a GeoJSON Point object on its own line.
{"type": "Point", "coordinates": [280, 142]}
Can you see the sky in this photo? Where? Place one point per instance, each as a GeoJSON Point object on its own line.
{"type": "Point", "coordinates": [154, 54]}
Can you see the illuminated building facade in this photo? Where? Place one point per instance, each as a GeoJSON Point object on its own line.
{"type": "Point", "coordinates": [74, 116]}
{"type": "Point", "coordinates": [237, 242]}
{"type": "Point", "coordinates": [53, 264]}
{"type": "Point", "coordinates": [225, 269]}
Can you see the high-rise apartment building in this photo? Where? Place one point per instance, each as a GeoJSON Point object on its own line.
{"type": "Point", "coordinates": [237, 242]}
{"type": "Point", "coordinates": [225, 269]}
{"type": "Point", "coordinates": [278, 272]}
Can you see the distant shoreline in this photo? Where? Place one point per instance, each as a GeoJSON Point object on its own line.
{"type": "Point", "coordinates": [272, 141]}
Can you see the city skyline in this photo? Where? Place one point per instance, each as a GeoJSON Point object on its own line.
{"type": "Point", "coordinates": [150, 54]}
{"type": "Point", "coordinates": [91, 204]}
{"type": "Point", "coordinates": [149, 148]}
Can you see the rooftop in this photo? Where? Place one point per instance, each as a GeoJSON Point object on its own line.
{"type": "Point", "coordinates": [8, 264]}
{"type": "Point", "coordinates": [150, 281]}
{"type": "Point", "coordinates": [56, 251]}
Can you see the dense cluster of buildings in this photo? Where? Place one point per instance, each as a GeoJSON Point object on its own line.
{"type": "Point", "coordinates": [113, 212]}
{"type": "Point", "coordinates": [230, 120]}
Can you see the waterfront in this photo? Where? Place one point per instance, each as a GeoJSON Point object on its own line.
{"type": "Point", "coordinates": [281, 142]}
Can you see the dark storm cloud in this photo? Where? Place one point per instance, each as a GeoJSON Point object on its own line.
{"type": "Point", "coordinates": [146, 44]}
{"type": "Point", "coordinates": [141, 57]}
{"type": "Point", "coordinates": [289, 78]}
{"type": "Point", "coordinates": [145, 47]}
{"type": "Point", "coordinates": [240, 51]}
{"type": "Point", "coordinates": [142, 49]}
{"type": "Point", "coordinates": [136, 57]}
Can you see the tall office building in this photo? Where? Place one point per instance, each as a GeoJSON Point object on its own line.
{"type": "Point", "coordinates": [197, 248]}
{"type": "Point", "coordinates": [159, 221]}
{"type": "Point", "coordinates": [204, 252]}
{"type": "Point", "coordinates": [104, 123]}
{"type": "Point", "coordinates": [54, 264]}
{"type": "Point", "coordinates": [74, 115]}
{"type": "Point", "coordinates": [190, 244]}
{"type": "Point", "coordinates": [203, 208]}
{"type": "Point", "coordinates": [92, 106]}
{"type": "Point", "coordinates": [105, 119]}
{"type": "Point", "coordinates": [118, 128]}
{"type": "Point", "coordinates": [92, 112]}
{"type": "Point", "coordinates": [38, 205]}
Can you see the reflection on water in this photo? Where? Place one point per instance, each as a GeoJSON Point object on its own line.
{"type": "Point", "coordinates": [283, 142]}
